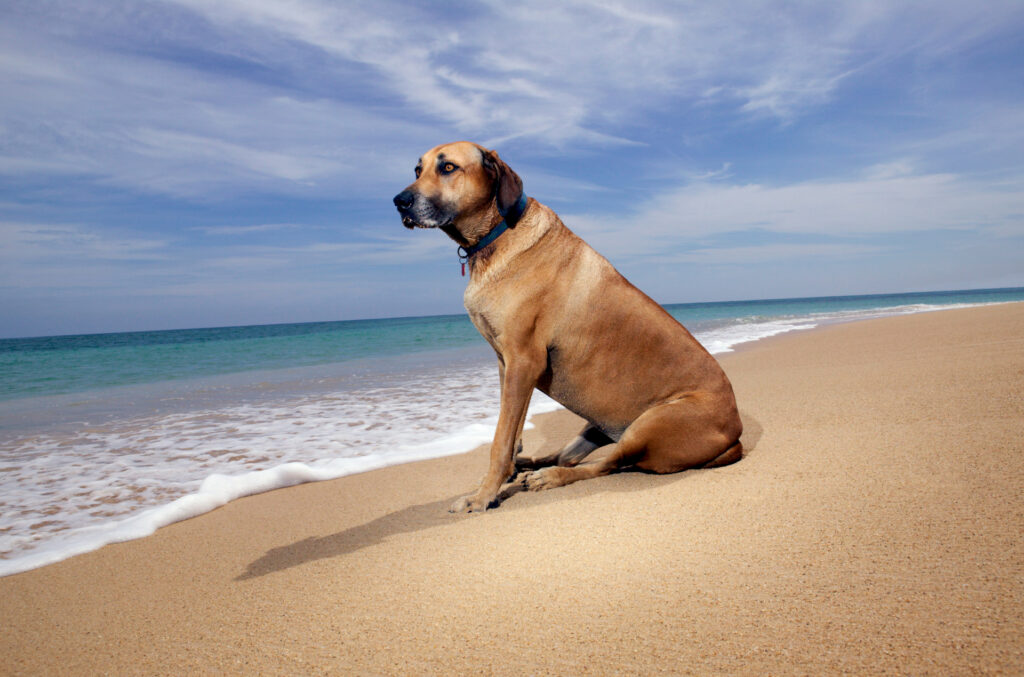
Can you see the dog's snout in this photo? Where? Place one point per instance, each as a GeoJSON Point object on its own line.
{"type": "Point", "coordinates": [404, 200]}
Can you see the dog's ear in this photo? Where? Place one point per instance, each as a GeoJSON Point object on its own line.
{"type": "Point", "coordinates": [507, 184]}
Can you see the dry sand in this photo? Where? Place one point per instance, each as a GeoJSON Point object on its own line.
{"type": "Point", "coordinates": [874, 527]}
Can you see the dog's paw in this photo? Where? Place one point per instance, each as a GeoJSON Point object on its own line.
{"type": "Point", "coordinates": [545, 478]}
{"type": "Point", "coordinates": [473, 503]}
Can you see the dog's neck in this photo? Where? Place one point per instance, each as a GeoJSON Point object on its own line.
{"type": "Point", "coordinates": [510, 217]}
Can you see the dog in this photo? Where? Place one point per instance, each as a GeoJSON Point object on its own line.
{"type": "Point", "coordinates": [564, 321]}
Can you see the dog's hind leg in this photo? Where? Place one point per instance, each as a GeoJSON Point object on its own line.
{"type": "Point", "coordinates": [589, 439]}
{"type": "Point", "coordinates": [560, 475]}
{"type": "Point", "coordinates": [690, 432]}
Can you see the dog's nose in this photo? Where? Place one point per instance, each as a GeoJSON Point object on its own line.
{"type": "Point", "coordinates": [404, 200]}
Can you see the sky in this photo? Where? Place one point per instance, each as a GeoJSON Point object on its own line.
{"type": "Point", "coordinates": [193, 163]}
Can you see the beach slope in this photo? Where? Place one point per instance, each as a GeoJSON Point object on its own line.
{"type": "Point", "coordinates": [874, 526]}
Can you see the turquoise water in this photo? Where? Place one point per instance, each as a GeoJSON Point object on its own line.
{"type": "Point", "coordinates": [66, 364]}
{"type": "Point", "coordinates": [826, 305]}
{"type": "Point", "coordinates": [107, 437]}
{"type": "Point", "coordinates": [70, 364]}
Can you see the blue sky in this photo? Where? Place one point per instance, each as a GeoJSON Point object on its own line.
{"type": "Point", "coordinates": [188, 163]}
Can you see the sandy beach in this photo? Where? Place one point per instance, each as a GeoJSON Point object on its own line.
{"type": "Point", "coordinates": [874, 526]}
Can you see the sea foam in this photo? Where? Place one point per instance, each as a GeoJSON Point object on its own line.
{"type": "Point", "coordinates": [76, 491]}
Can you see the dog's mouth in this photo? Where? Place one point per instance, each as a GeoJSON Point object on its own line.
{"type": "Point", "coordinates": [412, 223]}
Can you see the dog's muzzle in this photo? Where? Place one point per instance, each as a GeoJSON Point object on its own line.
{"type": "Point", "coordinates": [418, 211]}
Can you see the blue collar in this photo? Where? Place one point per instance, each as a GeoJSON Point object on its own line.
{"type": "Point", "coordinates": [512, 216]}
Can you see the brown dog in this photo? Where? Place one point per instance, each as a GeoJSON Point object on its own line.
{"type": "Point", "coordinates": [564, 321]}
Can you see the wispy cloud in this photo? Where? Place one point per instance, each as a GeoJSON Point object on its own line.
{"type": "Point", "coordinates": [767, 254]}
{"type": "Point", "coordinates": [886, 201]}
{"type": "Point", "coordinates": [29, 243]}
{"type": "Point", "coordinates": [247, 229]}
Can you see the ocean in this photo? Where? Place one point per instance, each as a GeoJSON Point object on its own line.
{"type": "Point", "coordinates": [107, 437]}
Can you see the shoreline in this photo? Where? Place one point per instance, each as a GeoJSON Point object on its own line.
{"type": "Point", "coordinates": [873, 525]}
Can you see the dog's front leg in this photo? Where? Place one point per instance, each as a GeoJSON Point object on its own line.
{"type": "Point", "coordinates": [518, 381]}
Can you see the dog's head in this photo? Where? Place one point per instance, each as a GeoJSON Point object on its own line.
{"type": "Point", "coordinates": [461, 188]}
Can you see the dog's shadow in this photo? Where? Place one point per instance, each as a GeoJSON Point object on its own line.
{"type": "Point", "coordinates": [411, 519]}
{"type": "Point", "coordinates": [430, 515]}
{"type": "Point", "coordinates": [408, 520]}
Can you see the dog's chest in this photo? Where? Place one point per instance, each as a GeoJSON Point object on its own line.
{"type": "Point", "coordinates": [490, 325]}
{"type": "Point", "coordinates": [492, 314]}
{"type": "Point", "coordinates": [483, 325]}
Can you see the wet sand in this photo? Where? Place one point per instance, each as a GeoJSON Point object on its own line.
{"type": "Point", "coordinates": [874, 526]}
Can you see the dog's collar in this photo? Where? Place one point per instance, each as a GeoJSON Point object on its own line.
{"type": "Point", "coordinates": [511, 217]}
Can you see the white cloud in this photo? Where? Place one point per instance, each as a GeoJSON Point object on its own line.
{"type": "Point", "coordinates": [245, 230]}
{"type": "Point", "coordinates": [884, 203]}
{"type": "Point", "coordinates": [61, 259]}
{"type": "Point", "coordinates": [769, 253]}
{"type": "Point", "coordinates": [177, 146]}
{"type": "Point", "coordinates": [74, 257]}
{"type": "Point", "coordinates": [30, 243]}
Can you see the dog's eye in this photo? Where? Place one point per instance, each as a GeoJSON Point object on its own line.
{"type": "Point", "coordinates": [418, 170]}
{"type": "Point", "coordinates": [448, 168]}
